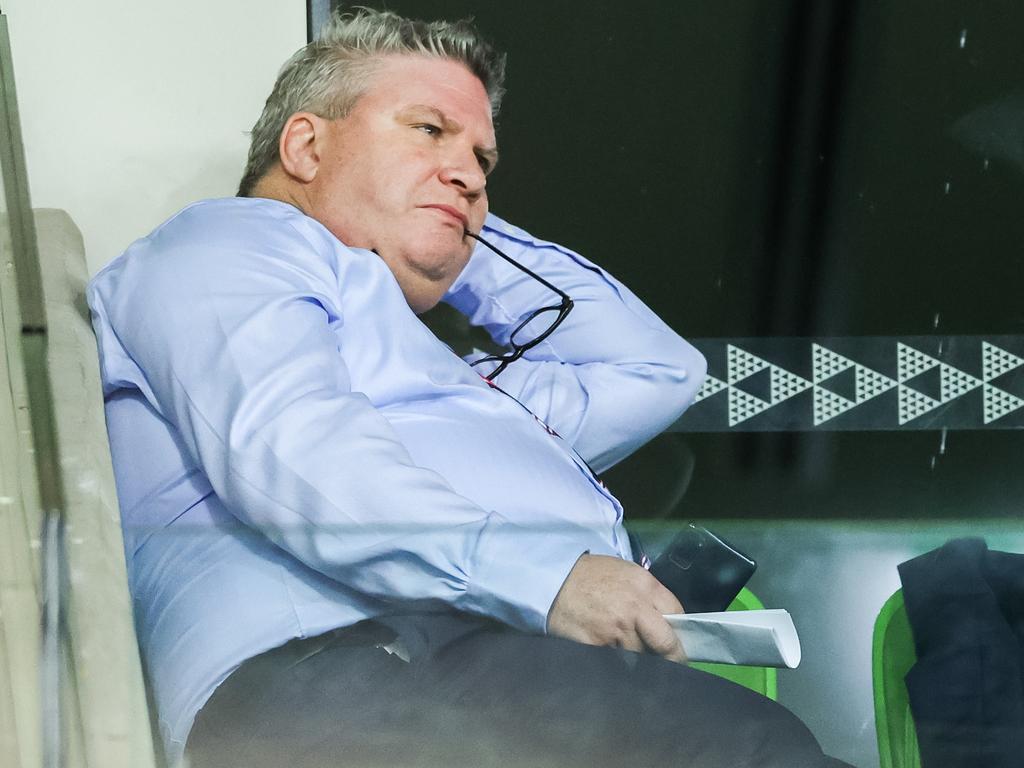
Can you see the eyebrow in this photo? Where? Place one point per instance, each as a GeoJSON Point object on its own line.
{"type": "Point", "coordinates": [490, 154]}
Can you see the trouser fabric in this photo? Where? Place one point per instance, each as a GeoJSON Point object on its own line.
{"type": "Point", "coordinates": [491, 697]}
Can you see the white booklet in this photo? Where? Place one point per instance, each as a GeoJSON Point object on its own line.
{"type": "Point", "coordinates": [758, 638]}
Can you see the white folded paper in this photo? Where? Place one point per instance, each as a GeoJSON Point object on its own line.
{"type": "Point", "coordinates": [756, 638]}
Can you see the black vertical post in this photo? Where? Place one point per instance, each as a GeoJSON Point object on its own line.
{"type": "Point", "coordinates": [792, 250]}
{"type": "Point", "coordinates": [317, 13]}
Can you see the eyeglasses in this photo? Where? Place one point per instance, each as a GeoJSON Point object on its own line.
{"type": "Point", "coordinates": [559, 313]}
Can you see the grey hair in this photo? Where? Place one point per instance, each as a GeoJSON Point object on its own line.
{"type": "Point", "coordinates": [327, 76]}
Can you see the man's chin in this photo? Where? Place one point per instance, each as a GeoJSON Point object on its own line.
{"type": "Point", "coordinates": [427, 266]}
{"type": "Point", "coordinates": [444, 261]}
{"type": "Point", "coordinates": [424, 288]}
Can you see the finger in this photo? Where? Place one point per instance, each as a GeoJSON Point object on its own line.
{"type": "Point", "coordinates": [631, 641]}
{"type": "Point", "coordinates": [659, 637]}
{"type": "Point", "coordinates": [663, 600]}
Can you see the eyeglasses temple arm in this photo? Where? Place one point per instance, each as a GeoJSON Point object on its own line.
{"type": "Point", "coordinates": [517, 265]}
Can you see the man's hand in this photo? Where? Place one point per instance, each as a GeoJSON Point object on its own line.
{"type": "Point", "coordinates": [608, 601]}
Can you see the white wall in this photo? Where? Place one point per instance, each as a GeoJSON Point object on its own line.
{"type": "Point", "coordinates": [132, 109]}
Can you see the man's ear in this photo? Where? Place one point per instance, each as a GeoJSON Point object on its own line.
{"type": "Point", "coordinates": [298, 146]}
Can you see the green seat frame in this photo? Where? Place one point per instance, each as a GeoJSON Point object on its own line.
{"type": "Point", "coordinates": [763, 680]}
{"type": "Point", "coordinates": [892, 656]}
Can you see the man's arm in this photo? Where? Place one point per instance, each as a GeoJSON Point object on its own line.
{"type": "Point", "coordinates": [611, 377]}
{"type": "Point", "coordinates": [608, 380]}
{"type": "Point", "coordinates": [232, 339]}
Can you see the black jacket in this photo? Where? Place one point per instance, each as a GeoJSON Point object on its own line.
{"type": "Point", "coordinates": [965, 604]}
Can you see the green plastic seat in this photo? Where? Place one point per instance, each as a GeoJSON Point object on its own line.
{"type": "Point", "coordinates": [763, 680]}
{"type": "Point", "coordinates": [892, 656]}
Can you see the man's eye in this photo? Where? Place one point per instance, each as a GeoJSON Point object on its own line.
{"type": "Point", "coordinates": [429, 129]}
{"type": "Point", "coordinates": [485, 164]}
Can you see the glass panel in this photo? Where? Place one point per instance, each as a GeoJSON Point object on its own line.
{"type": "Point", "coordinates": [27, 740]}
{"type": "Point", "coordinates": [776, 177]}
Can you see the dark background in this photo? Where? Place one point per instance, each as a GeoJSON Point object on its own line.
{"type": "Point", "coordinates": [786, 168]}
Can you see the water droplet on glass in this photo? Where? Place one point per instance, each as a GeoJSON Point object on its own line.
{"type": "Point", "coordinates": [933, 463]}
{"type": "Point", "coordinates": [985, 164]}
{"type": "Point", "coordinates": [942, 443]}
{"type": "Point", "coordinates": [935, 320]}
{"type": "Point", "coordinates": [947, 187]}
{"type": "Point", "coordinates": [963, 37]}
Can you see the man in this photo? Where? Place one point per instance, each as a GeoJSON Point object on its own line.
{"type": "Point", "coordinates": [313, 485]}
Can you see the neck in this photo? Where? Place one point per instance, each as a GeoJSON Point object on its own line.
{"type": "Point", "coordinates": [276, 186]}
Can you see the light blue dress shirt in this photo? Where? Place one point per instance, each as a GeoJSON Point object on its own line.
{"type": "Point", "coordinates": [295, 451]}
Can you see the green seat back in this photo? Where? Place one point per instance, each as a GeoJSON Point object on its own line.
{"type": "Point", "coordinates": [892, 656]}
{"type": "Point", "coordinates": [760, 679]}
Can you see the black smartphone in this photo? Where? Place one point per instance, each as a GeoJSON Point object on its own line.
{"type": "Point", "coordinates": [703, 571]}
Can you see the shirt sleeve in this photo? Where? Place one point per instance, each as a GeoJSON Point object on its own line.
{"type": "Point", "coordinates": [232, 341]}
{"type": "Point", "coordinates": [611, 377]}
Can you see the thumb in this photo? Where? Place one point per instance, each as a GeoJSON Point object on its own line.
{"type": "Point", "coordinates": [657, 634]}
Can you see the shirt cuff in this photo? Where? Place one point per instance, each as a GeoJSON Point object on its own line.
{"type": "Point", "coordinates": [519, 571]}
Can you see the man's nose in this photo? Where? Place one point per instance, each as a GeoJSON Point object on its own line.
{"type": "Point", "coordinates": [462, 169]}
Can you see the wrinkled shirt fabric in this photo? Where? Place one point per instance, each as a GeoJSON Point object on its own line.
{"type": "Point", "coordinates": [295, 451]}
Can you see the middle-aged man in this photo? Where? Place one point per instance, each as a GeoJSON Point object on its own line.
{"type": "Point", "coordinates": [349, 546]}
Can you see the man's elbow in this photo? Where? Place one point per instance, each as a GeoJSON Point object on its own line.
{"type": "Point", "coordinates": [662, 388]}
{"type": "Point", "coordinates": [683, 369]}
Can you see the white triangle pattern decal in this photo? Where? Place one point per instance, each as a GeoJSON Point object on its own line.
{"type": "Point", "coordinates": [954, 382]}
{"type": "Point", "coordinates": [743, 364]}
{"type": "Point", "coordinates": [743, 406]}
{"type": "Point", "coordinates": [999, 402]}
{"type": "Point", "coordinates": [828, 405]}
{"type": "Point", "coordinates": [996, 361]}
{"type": "Point", "coordinates": [711, 386]}
{"type": "Point", "coordinates": [827, 363]}
{"type": "Point", "coordinates": [910, 362]}
{"type": "Point", "coordinates": [870, 383]}
{"type": "Point", "coordinates": [786, 384]}
{"type": "Point", "coordinates": [914, 404]}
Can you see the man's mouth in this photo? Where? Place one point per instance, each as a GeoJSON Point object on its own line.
{"type": "Point", "coordinates": [457, 216]}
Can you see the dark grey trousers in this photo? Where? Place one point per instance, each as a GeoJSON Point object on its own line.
{"type": "Point", "coordinates": [484, 696]}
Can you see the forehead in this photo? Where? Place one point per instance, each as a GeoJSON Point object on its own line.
{"type": "Point", "coordinates": [408, 80]}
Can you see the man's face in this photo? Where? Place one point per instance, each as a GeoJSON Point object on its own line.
{"type": "Point", "coordinates": [404, 173]}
